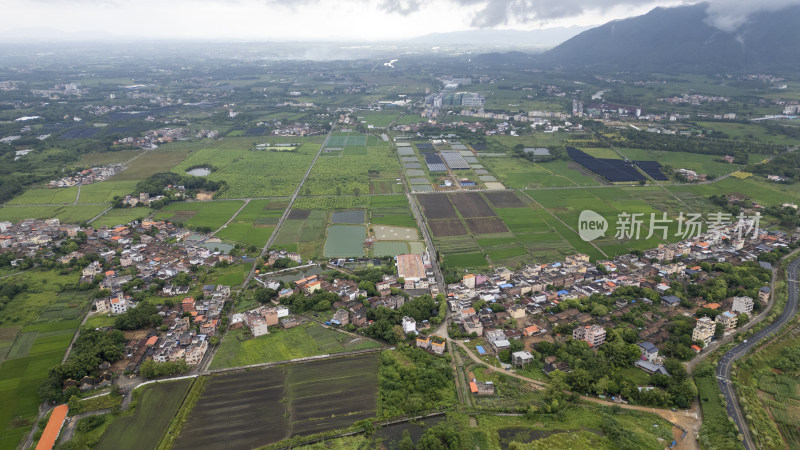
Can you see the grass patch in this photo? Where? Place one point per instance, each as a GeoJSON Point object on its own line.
{"type": "Point", "coordinates": [309, 339]}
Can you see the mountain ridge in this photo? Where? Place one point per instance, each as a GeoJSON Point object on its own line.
{"type": "Point", "coordinates": [681, 38]}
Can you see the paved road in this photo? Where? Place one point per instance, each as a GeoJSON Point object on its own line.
{"type": "Point", "coordinates": [69, 427]}
{"type": "Point", "coordinates": [727, 360]}
{"type": "Point", "coordinates": [428, 242]}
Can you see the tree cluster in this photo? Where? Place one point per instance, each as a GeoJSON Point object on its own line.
{"type": "Point", "coordinates": [144, 315]}
{"type": "Point", "coordinates": [152, 369]}
{"type": "Point", "coordinates": [599, 372]}
{"type": "Point", "coordinates": [92, 348]}
{"type": "Point", "coordinates": [411, 381]}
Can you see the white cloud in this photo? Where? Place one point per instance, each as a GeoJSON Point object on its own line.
{"type": "Point", "coordinates": [362, 20]}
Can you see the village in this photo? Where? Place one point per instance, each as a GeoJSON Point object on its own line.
{"type": "Point", "coordinates": [504, 314]}
{"type": "Point", "coordinates": [87, 176]}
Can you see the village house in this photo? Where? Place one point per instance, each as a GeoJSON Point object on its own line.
{"type": "Point", "coordinates": [742, 305]}
{"type": "Point", "coordinates": [703, 331]}
{"type": "Point", "coordinates": [594, 335]}
{"type": "Point", "coordinates": [728, 320]}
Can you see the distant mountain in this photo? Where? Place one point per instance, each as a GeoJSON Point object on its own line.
{"type": "Point", "coordinates": [681, 39]}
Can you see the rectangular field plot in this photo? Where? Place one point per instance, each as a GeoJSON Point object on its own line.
{"type": "Point", "coordinates": [486, 225]}
{"type": "Point", "coordinates": [405, 151]}
{"type": "Point", "coordinates": [421, 188]}
{"type": "Point", "coordinates": [251, 409]}
{"type": "Point", "coordinates": [472, 205]}
{"type": "Point", "coordinates": [308, 339]}
{"type": "Point", "coordinates": [345, 241]}
{"type": "Point", "coordinates": [392, 248]}
{"type": "Point", "coordinates": [238, 411]}
{"type": "Point", "coordinates": [351, 217]}
{"type": "Point", "coordinates": [465, 260]}
{"type": "Point", "coordinates": [205, 214]}
{"type": "Point", "coordinates": [386, 233]}
{"type": "Point", "coordinates": [303, 232]}
{"type": "Point", "coordinates": [442, 228]}
{"type": "Point", "coordinates": [504, 199]}
{"type": "Point", "coordinates": [437, 206]}
{"type": "Point", "coordinates": [333, 388]}
{"type": "Point", "coordinates": [157, 406]}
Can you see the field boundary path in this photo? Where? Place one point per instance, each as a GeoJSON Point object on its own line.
{"type": "Point", "coordinates": [246, 202]}
{"type": "Point", "coordinates": [75, 337]}
{"type": "Point", "coordinates": [288, 209]}
{"type": "Point", "coordinates": [100, 215]}
{"type": "Point", "coordinates": [733, 408]}
{"type": "Point", "coordinates": [562, 222]}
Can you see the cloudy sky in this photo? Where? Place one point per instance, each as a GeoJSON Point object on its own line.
{"type": "Point", "coordinates": [349, 20]}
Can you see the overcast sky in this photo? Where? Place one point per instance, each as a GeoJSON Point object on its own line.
{"type": "Point", "coordinates": [346, 20]}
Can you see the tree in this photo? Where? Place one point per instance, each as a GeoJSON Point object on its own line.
{"type": "Point", "coordinates": [264, 295]}
{"type": "Point", "coordinates": [719, 330]}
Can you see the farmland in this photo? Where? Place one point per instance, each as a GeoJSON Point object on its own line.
{"type": "Point", "coordinates": [66, 213]}
{"type": "Point", "coordinates": [199, 214]}
{"type": "Point", "coordinates": [35, 329]}
{"type": "Point", "coordinates": [345, 240]}
{"type": "Point", "coordinates": [121, 216]}
{"type": "Point", "coordinates": [250, 409]}
{"type": "Point", "coordinates": [303, 232]}
{"type": "Point", "coordinates": [244, 169]}
{"type": "Point", "coordinates": [520, 173]}
{"type": "Point", "coordinates": [255, 223]}
{"type": "Point", "coordinates": [144, 429]}
{"type": "Point", "coordinates": [350, 174]}
{"type": "Point", "coordinates": [238, 410]}
{"type": "Point", "coordinates": [768, 386]}
{"type": "Point", "coordinates": [308, 339]}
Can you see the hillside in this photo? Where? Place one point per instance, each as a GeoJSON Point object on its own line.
{"type": "Point", "coordinates": [681, 39]}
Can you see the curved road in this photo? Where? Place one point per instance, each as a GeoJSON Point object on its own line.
{"type": "Point", "coordinates": [727, 360]}
{"type": "Point", "coordinates": [688, 420]}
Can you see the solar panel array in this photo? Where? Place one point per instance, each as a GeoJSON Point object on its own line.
{"type": "Point", "coordinates": [455, 161]}
{"type": "Point", "coordinates": [424, 145]}
{"type": "Point", "coordinates": [613, 170]}
{"type": "Point", "coordinates": [434, 162]}
{"type": "Point", "coordinates": [652, 168]}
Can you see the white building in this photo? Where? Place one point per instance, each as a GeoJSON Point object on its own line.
{"type": "Point", "coordinates": [742, 305]}
{"type": "Point", "coordinates": [409, 325]}
{"type": "Point", "coordinates": [119, 305]}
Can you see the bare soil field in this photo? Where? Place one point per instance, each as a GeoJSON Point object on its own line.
{"type": "Point", "coordinates": [504, 199]}
{"type": "Point", "coordinates": [239, 410]}
{"type": "Point", "coordinates": [486, 226]}
{"type": "Point", "coordinates": [298, 214]}
{"type": "Point", "coordinates": [250, 409]}
{"type": "Point", "coordinates": [472, 205]}
{"type": "Point", "coordinates": [437, 206]}
{"type": "Point", "coordinates": [442, 228]}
